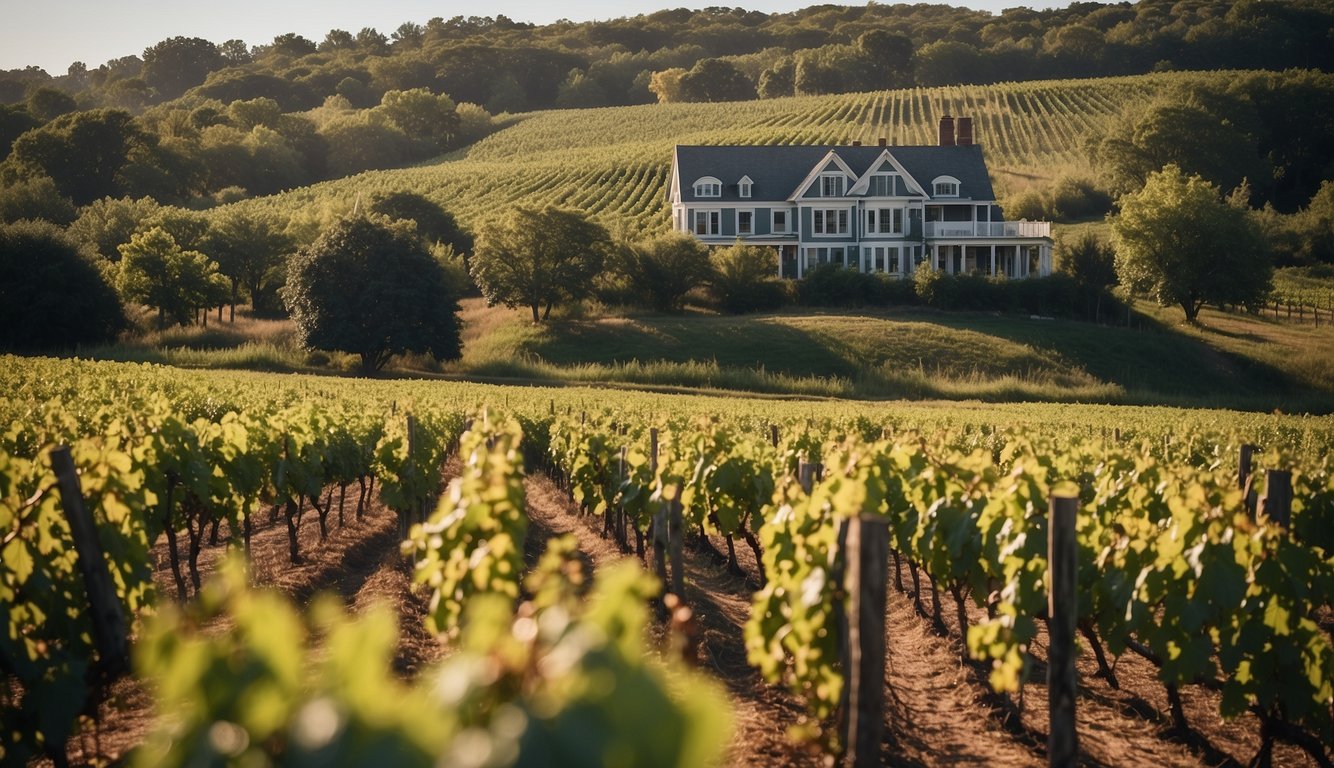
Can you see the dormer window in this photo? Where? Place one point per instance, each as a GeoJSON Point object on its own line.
{"type": "Point", "coordinates": [708, 187]}
{"type": "Point", "coordinates": [743, 186]}
{"type": "Point", "coordinates": [882, 185]}
{"type": "Point", "coordinates": [945, 186]}
{"type": "Point", "coordinates": [831, 185]}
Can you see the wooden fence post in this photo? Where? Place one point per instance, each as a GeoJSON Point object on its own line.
{"type": "Point", "coordinates": [1277, 501]}
{"type": "Point", "coordinates": [1062, 743]}
{"type": "Point", "coordinates": [865, 564]}
{"type": "Point", "coordinates": [109, 629]}
{"type": "Point", "coordinates": [773, 434]}
{"type": "Point", "coordinates": [1244, 465]}
{"type": "Point", "coordinates": [808, 472]}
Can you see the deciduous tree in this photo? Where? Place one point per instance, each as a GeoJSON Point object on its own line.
{"type": "Point", "coordinates": [52, 293]}
{"type": "Point", "coordinates": [370, 288]}
{"type": "Point", "coordinates": [156, 272]}
{"type": "Point", "coordinates": [1177, 240]}
{"type": "Point", "coordinates": [663, 270]}
{"type": "Point", "coordinates": [249, 249]}
{"type": "Point", "coordinates": [538, 258]}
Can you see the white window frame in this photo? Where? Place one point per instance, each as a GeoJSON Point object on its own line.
{"type": "Point", "coordinates": [889, 184]}
{"type": "Point", "coordinates": [944, 186]}
{"type": "Point", "coordinates": [749, 230]}
{"type": "Point", "coordinates": [773, 221]}
{"type": "Point", "coordinates": [711, 219]}
{"type": "Point", "coordinates": [708, 186]}
{"type": "Point", "coordinates": [744, 186]}
{"type": "Point", "coordinates": [820, 222]}
{"type": "Point", "coordinates": [826, 179]}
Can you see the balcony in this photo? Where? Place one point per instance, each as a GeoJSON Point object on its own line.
{"type": "Point", "coordinates": [935, 229]}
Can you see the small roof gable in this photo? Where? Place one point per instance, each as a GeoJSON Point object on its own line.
{"type": "Point", "coordinates": [778, 171]}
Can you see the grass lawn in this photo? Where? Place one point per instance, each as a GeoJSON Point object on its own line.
{"type": "Point", "coordinates": [1233, 361]}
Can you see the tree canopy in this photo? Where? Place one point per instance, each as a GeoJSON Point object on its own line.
{"type": "Point", "coordinates": [53, 296]}
{"type": "Point", "coordinates": [1177, 240]}
{"type": "Point", "coordinates": [538, 258]}
{"type": "Point", "coordinates": [155, 271]}
{"type": "Point", "coordinates": [370, 288]}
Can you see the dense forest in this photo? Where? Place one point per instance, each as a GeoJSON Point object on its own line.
{"type": "Point", "coordinates": [194, 122]}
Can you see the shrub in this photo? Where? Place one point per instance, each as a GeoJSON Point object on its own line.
{"type": "Point", "coordinates": [663, 270]}
{"type": "Point", "coordinates": [745, 279]}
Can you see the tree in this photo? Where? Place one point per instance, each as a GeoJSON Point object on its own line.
{"type": "Point", "coordinates": [156, 272]}
{"type": "Point", "coordinates": [48, 103]}
{"type": "Point", "coordinates": [14, 122]}
{"type": "Point", "coordinates": [716, 80]}
{"type": "Point", "coordinates": [434, 223]}
{"type": "Point", "coordinates": [538, 258]}
{"type": "Point", "coordinates": [52, 294]}
{"type": "Point", "coordinates": [1177, 240]}
{"type": "Point", "coordinates": [248, 248]}
{"type": "Point", "coordinates": [1092, 265]}
{"type": "Point", "coordinates": [82, 152]}
{"type": "Point", "coordinates": [1206, 134]}
{"type": "Point", "coordinates": [35, 198]}
{"type": "Point", "coordinates": [666, 85]}
{"type": "Point", "coordinates": [369, 287]}
{"type": "Point", "coordinates": [178, 63]}
{"type": "Point", "coordinates": [109, 223]}
{"type": "Point", "coordinates": [426, 118]}
{"type": "Point", "coordinates": [663, 270]}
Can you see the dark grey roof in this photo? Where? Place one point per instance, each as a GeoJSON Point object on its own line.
{"type": "Point", "coordinates": [777, 170]}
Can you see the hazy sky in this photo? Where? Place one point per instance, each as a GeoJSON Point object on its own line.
{"type": "Point", "coordinates": [54, 33]}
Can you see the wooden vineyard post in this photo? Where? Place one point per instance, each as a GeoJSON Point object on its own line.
{"type": "Point", "coordinates": [675, 543]}
{"type": "Point", "coordinates": [109, 630]}
{"type": "Point", "coordinates": [808, 472]}
{"type": "Point", "coordinates": [404, 523]}
{"type": "Point", "coordinates": [865, 563]}
{"type": "Point", "coordinates": [1062, 743]}
{"type": "Point", "coordinates": [773, 434]}
{"type": "Point", "coordinates": [1277, 501]}
{"type": "Point", "coordinates": [1244, 465]}
{"type": "Point", "coordinates": [659, 517]}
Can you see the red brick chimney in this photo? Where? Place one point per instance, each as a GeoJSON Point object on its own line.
{"type": "Point", "coordinates": [946, 131]}
{"type": "Point", "coordinates": [882, 141]}
{"type": "Point", "coordinates": [856, 142]}
{"type": "Point", "coordinates": [965, 138]}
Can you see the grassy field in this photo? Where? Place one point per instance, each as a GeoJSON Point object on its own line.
{"type": "Point", "coordinates": [614, 162]}
{"type": "Point", "coordinates": [1229, 360]}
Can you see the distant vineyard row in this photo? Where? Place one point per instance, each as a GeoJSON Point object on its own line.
{"type": "Point", "coordinates": [614, 162]}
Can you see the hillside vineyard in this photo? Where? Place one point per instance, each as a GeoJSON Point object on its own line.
{"type": "Point", "coordinates": [1175, 561]}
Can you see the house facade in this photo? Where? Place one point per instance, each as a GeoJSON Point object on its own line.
{"type": "Point", "coordinates": [884, 209]}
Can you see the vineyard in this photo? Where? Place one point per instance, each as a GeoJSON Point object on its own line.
{"type": "Point", "coordinates": [614, 162]}
{"type": "Point", "coordinates": [1195, 589]}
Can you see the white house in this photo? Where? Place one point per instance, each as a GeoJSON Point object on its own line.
{"type": "Point", "coordinates": [883, 209]}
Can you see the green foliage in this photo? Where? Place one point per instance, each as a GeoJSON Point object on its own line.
{"type": "Point", "coordinates": [55, 296]}
{"type": "Point", "coordinates": [49, 649]}
{"type": "Point", "coordinates": [661, 271]}
{"type": "Point", "coordinates": [745, 279]}
{"type": "Point", "coordinates": [84, 153]}
{"type": "Point", "coordinates": [109, 223]}
{"type": "Point", "coordinates": [428, 119]}
{"type": "Point", "coordinates": [1178, 241]}
{"type": "Point", "coordinates": [1067, 199]}
{"type": "Point", "coordinates": [155, 271]}
{"type": "Point", "coordinates": [250, 250]}
{"type": "Point", "coordinates": [371, 289]}
{"type": "Point", "coordinates": [538, 258]}
{"type": "Point", "coordinates": [715, 80]}
{"type": "Point", "coordinates": [434, 223]}
{"type": "Point", "coordinates": [35, 198]}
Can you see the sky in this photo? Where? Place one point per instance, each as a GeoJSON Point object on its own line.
{"type": "Point", "coordinates": [54, 33]}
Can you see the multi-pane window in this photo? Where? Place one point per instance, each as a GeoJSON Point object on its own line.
{"type": "Point", "coordinates": [708, 188]}
{"type": "Point", "coordinates": [830, 221]}
{"type": "Point", "coordinates": [706, 222]}
{"type": "Point", "coordinates": [884, 221]}
{"type": "Point", "coordinates": [946, 188]}
{"type": "Point", "coordinates": [744, 188]}
{"type": "Point", "coordinates": [831, 185]}
{"type": "Point", "coordinates": [780, 222]}
{"type": "Point", "coordinates": [882, 185]}
{"type": "Point", "coordinates": [745, 224]}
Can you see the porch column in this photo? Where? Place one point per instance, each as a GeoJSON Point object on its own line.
{"type": "Point", "coordinates": [993, 259]}
{"type": "Point", "coordinates": [779, 251]}
{"type": "Point", "coordinates": [801, 262]}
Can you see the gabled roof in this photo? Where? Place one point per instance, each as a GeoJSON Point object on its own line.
{"type": "Point", "coordinates": [778, 171]}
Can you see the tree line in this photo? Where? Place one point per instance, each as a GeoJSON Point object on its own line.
{"type": "Point", "coordinates": [712, 53]}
